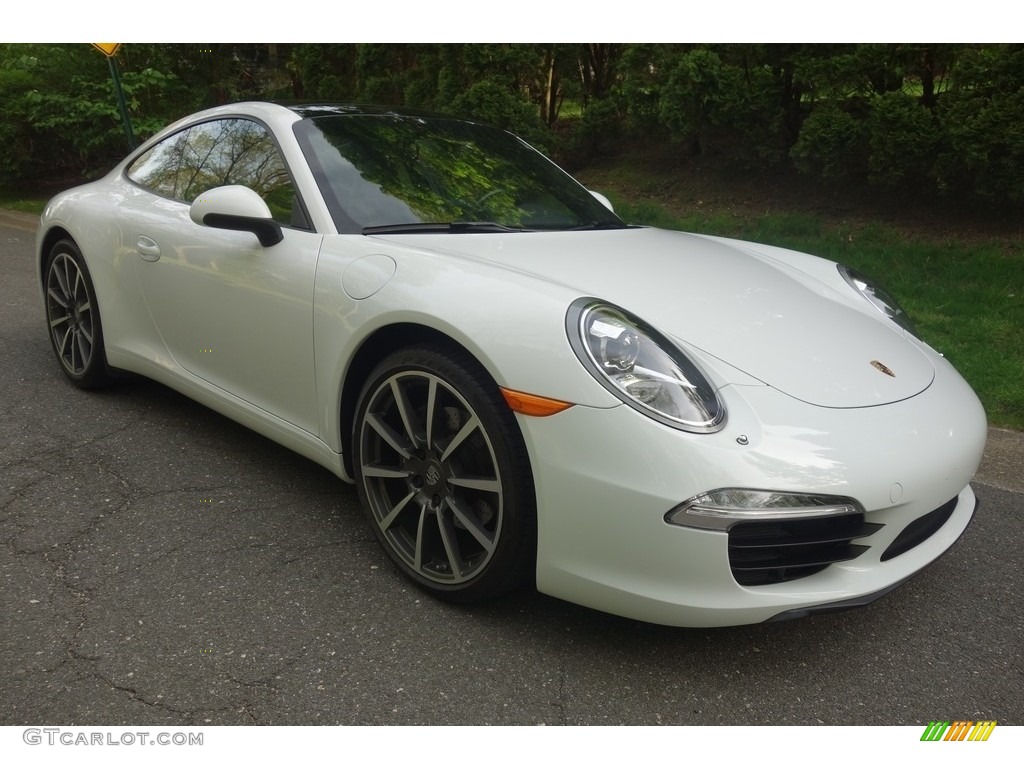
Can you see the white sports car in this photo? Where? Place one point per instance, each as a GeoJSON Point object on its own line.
{"type": "Point", "coordinates": [676, 428]}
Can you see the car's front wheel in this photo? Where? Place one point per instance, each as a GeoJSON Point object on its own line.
{"type": "Point", "coordinates": [73, 316]}
{"type": "Point", "coordinates": [443, 473]}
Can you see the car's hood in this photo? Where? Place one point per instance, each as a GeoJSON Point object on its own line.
{"type": "Point", "coordinates": [791, 333]}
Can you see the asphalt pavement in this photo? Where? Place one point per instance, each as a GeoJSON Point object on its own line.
{"type": "Point", "coordinates": [161, 565]}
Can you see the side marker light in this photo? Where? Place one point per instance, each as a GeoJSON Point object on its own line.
{"type": "Point", "coordinates": [533, 405]}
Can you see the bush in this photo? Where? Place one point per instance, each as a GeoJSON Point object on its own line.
{"type": "Point", "coordinates": [598, 131]}
{"type": "Point", "coordinates": [62, 119]}
{"type": "Point", "coordinates": [984, 151]}
{"type": "Point", "coordinates": [904, 137]}
{"type": "Point", "coordinates": [832, 144]}
{"type": "Point", "coordinates": [490, 100]}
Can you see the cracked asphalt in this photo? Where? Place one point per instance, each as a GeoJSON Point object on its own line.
{"type": "Point", "coordinates": [162, 565]}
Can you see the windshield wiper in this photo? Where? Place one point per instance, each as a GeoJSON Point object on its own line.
{"type": "Point", "coordinates": [599, 225]}
{"type": "Point", "coordinates": [438, 226]}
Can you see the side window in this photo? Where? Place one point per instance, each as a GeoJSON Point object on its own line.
{"type": "Point", "coordinates": [157, 169]}
{"type": "Point", "coordinates": [214, 154]}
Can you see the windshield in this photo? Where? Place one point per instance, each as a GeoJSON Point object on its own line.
{"type": "Point", "coordinates": [389, 173]}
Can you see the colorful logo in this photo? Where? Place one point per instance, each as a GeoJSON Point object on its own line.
{"type": "Point", "coordinates": [958, 730]}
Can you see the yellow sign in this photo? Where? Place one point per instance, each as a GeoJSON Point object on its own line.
{"type": "Point", "coordinates": [108, 49]}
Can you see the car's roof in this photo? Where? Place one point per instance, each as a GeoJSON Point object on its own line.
{"type": "Point", "coordinates": [310, 109]}
{"type": "Point", "coordinates": [280, 115]}
{"type": "Point", "coordinates": [292, 111]}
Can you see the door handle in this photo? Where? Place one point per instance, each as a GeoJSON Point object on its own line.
{"type": "Point", "coordinates": [148, 248]}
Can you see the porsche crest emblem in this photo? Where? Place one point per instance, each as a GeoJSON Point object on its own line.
{"type": "Point", "coordinates": [883, 368]}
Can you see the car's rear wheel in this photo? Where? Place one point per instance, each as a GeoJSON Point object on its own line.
{"type": "Point", "coordinates": [443, 474]}
{"type": "Point", "coordinates": [73, 317]}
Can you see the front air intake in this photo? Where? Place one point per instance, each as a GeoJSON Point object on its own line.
{"type": "Point", "coordinates": [774, 551]}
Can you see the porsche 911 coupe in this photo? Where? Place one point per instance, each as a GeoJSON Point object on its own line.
{"type": "Point", "coordinates": [525, 389]}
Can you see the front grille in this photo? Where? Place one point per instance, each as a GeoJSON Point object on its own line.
{"type": "Point", "coordinates": [773, 551]}
{"type": "Point", "coordinates": [919, 530]}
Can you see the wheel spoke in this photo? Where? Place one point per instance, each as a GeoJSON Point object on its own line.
{"type": "Point", "coordinates": [64, 342]}
{"type": "Point", "coordinates": [451, 544]}
{"type": "Point", "coordinates": [431, 403]}
{"type": "Point", "coordinates": [418, 556]}
{"type": "Point", "coordinates": [84, 346]}
{"type": "Point", "coordinates": [467, 429]}
{"type": "Point", "coordinates": [61, 300]}
{"type": "Point", "coordinates": [481, 534]}
{"type": "Point", "coordinates": [389, 518]}
{"type": "Point", "coordinates": [60, 274]}
{"type": "Point", "coordinates": [405, 411]}
{"type": "Point", "coordinates": [491, 485]}
{"type": "Point", "coordinates": [67, 284]}
{"type": "Point", "coordinates": [375, 470]}
{"type": "Point", "coordinates": [57, 321]}
{"type": "Point", "coordinates": [391, 437]}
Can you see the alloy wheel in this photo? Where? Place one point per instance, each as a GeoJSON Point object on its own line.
{"type": "Point", "coordinates": [431, 477]}
{"type": "Point", "coordinates": [71, 316]}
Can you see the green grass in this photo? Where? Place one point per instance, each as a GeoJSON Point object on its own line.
{"type": "Point", "coordinates": [967, 297]}
{"type": "Point", "coordinates": [25, 205]}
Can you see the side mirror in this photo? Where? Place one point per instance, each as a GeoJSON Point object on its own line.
{"type": "Point", "coordinates": [238, 208]}
{"type": "Point", "coordinates": [603, 200]}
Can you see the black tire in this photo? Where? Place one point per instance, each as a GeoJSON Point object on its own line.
{"type": "Point", "coordinates": [444, 475]}
{"type": "Point", "coordinates": [73, 318]}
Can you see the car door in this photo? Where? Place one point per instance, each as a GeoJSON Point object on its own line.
{"type": "Point", "coordinates": [230, 311]}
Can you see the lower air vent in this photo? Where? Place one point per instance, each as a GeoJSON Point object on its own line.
{"type": "Point", "coordinates": [919, 530]}
{"type": "Point", "coordinates": [774, 551]}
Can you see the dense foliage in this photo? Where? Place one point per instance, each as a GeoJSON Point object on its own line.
{"type": "Point", "coordinates": [932, 120]}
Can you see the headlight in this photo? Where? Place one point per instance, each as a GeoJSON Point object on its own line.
{"type": "Point", "coordinates": [880, 298]}
{"type": "Point", "coordinates": [642, 367]}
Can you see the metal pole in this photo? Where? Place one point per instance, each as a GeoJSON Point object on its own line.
{"type": "Point", "coordinates": [121, 103]}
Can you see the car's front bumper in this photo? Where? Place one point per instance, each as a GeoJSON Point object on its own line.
{"type": "Point", "coordinates": [606, 478]}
